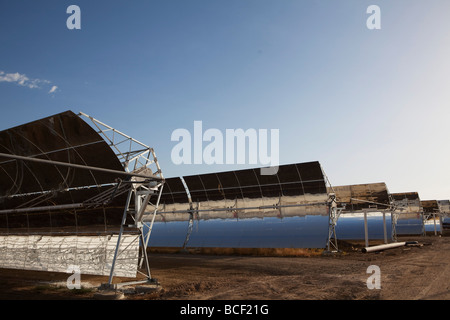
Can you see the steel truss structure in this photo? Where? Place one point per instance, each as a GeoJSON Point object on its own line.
{"type": "Point", "coordinates": [435, 209]}
{"type": "Point", "coordinates": [137, 159]}
{"type": "Point", "coordinates": [364, 198]}
{"type": "Point", "coordinates": [335, 212]}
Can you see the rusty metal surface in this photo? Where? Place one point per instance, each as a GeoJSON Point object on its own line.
{"type": "Point", "coordinates": [430, 206]}
{"type": "Point", "coordinates": [363, 196]}
{"type": "Point", "coordinates": [444, 211]}
{"type": "Point", "coordinates": [409, 213]}
{"type": "Point", "coordinates": [444, 207]}
{"type": "Point", "coordinates": [408, 205]}
{"type": "Point", "coordinates": [400, 196]}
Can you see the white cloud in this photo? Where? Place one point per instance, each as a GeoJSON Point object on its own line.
{"type": "Point", "coordinates": [24, 81]}
{"type": "Point", "coordinates": [13, 77]}
{"type": "Point", "coordinates": [53, 89]}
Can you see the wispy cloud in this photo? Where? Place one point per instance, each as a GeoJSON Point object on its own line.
{"type": "Point", "coordinates": [53, 89]}
{"type": "Point", "coordinates": [24, 81]}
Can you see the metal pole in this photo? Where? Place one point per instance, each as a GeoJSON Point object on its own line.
{"type": "Point", "coordinates": [384, 246]}
{"type": "Point", "coordinates": [393, 226]}
{"type": "Point", "coordinates": [424, 232]}
{"type": "Point", "coordinates": [150, 227]}
{"type": "Point", "coordinates": [45, 208]}
{"type": "Point", "coordinates": [147, 265]}
{"type": "Point", "coordinates": [275, 206]}
{"type": "Point", "coordinates": [384, 227]}
{"type": "Point", "coordinates": [377, 203]}
{"type": "Point", "coordinates": [154, 215]}
{"type": "Point", "coordinates": [434, 219]}
{"type": "Point", "coordinates": [329, 228]}
{"type": "Point", "coordinates": [124, 218]}
{"type": "Point", "coordinates": [366, 232]}
{"type": "Point", "coordinates": [79, 166]}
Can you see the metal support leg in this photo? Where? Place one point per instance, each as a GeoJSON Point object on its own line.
{"type": "Point", "coordinates": [189, 230]}
{"type": "Point", "coordinates": [384, 227]}
{"type": "Point", "coordinates": [434, 219]}
{"type": "Point", "coordinates": [154, 216]}
{"type": "Point", "coordinates": [424, 231]}
{"type": "Point", "coordinates": [150, 227]}
{"type": "Point", "coordinates": [124, 218]}
{"type": "Point", "coordinates": [366, 231]}
{"type": "Point", "coordinates": [332, 220]}
{"type": "Point", "coordinates": [144, 253]}
{"type": "Point", "coordinates": [393, 226]}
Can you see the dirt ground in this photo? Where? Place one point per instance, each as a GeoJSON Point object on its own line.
{"type": "Point", "coordinates": [407, 273]}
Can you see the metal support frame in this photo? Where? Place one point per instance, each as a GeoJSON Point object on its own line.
{"type": "Point", "coordinates": [394, 218]}
{"type": "Point", "coordinates": [335, 212]}
{"type": "Point", "coordinates": [149, 226]}
{"type": "Point", "coordinates": [441, 223]}
{"type": "Point", "coordinates": [373, 207]}
{"type": "Point", "coordinates": [232, 209]}
{"type": "Point", "coordinates": [434, 220]}
{"type": "Point", "coordinates": [137, 159]}
{"type": "Point", "coordinates": [189, 230]}
{"type": "Point", "coordinates": [424, 219]}
{"type": "Point", "coordinates": [366, 230]}
{"type": "Point", "coordinates": [427, 217]}
{"type": "Point", "coordinates": [142, 195]}
{"type": "Point", "coordinates": [395, 213]}
{"type": "Point", "coordinates": [384, 227]}
{"type": "Point", "coordinates": [383, 212]}
{"type": "Point", "coordinates": [134, 155]}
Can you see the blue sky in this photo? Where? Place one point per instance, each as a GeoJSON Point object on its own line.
{"type": "Point", "coordinates": [370, 105]}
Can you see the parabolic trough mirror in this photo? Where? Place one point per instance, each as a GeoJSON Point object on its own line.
{"type": "Point", "coordinates": [434, 212]}
{"type": "Point", "coordinates": [410, 219]}
{"type": "Point", "coordinates": [65, 191]}
{"type": "Point", "coordinates": [371, 200]}
{"type": "Point", "coordinates": [244, 209]}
